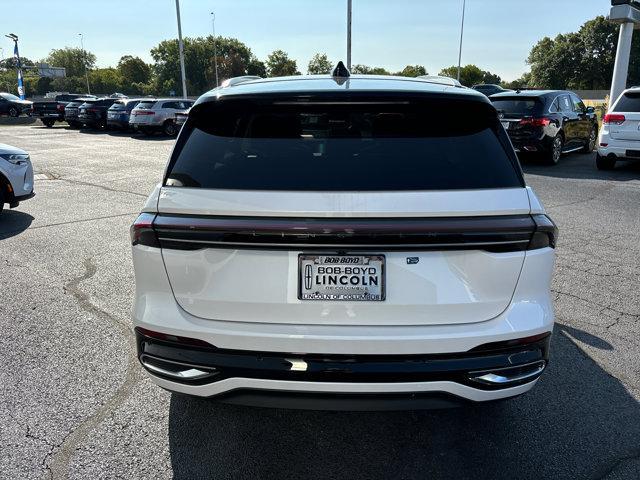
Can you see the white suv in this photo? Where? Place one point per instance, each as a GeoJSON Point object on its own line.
{"type": "Point", "coordinates": [158, 115]}
{"type": "Point", "coordinates": [16, 176]}
{"type": "Point", "coordinates": [620, 134]}
{"type": "Point", "coordinates": [343, 243]}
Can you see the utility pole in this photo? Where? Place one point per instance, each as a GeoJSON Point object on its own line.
{"type": "Point", "coordinates": [84, 62]}
{"type": "Point", "coordinates": [349, 35]}
{"type": "Point", "coordinates": [181, 51]}
{"type": "Point", "coordinates": [464, 4]}
{"type": "Point", "coordinates": [16, 54]}
{"type": "Point", "coordinates": [215, 49]}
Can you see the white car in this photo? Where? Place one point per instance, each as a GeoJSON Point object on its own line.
{"type": "Point", "coordinates": [158, 115]}
{"type": "Point", "coordinates": [620, 133]}
{"type": "Point", "coordinates": [332, 244]}
{"type": "Point", "coordinates": [16, 176]}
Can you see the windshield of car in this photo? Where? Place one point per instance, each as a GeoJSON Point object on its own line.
{"type": "Point", "coordinates": [9, 96]}
{"type": "Point", "coordinates": [522, 106]}
{"type": "Point", "coordinates": [628, 102]}
{"type": "Point", "coordinates": [333, 147]}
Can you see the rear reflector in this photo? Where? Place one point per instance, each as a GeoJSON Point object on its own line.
{"type": "Point", "coordinates": [613, 118]}
{"type": "Point", "coordinates": [546, 233]}
{"type": "Point", "coordinates": [142, 232]}
{"type": "Point", "coordinates": [166, 337]}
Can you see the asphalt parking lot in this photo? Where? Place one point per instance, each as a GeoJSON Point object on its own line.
{"type": "Point", "coordinates": [75, 404]}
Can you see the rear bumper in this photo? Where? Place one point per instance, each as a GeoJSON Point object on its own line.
{"type": "Point", "coordinates": [531, 144]}
{"type": "Point", "coordinates": [620, 149]}
{"type": "Point", "coordinates": [491, 372]}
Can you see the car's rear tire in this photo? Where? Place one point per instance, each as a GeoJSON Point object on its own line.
{"type": "Point", "coordinates": [13, 112]}
{"type": "Point", "coordinates": [170, 129]}
{"type": "Point", "coordinates": [552, 157]}
{"type": "Point", "coordinates": [590, 146]}
{"type": "Point", "coordinates": [74, 124]}
{"type": "Point", "coordinates": [48, 123]}
{"type": "Point", "coordinates": [605, 163]}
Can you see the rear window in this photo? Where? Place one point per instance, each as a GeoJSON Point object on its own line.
{"type": "Point", "coordinates": [343, 147]}
{"type": "Point", "coordinates": [117, 106]}
{"type": "Point", "coordinates": [628, 102]}
{"type": "Point", "coordinates": [146, 104]}
{"type": "Point", "coordinates": [518, 106]}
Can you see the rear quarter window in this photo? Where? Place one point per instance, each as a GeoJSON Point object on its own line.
{"type": "Point", "coordinates": [145, 105]}
{"type": "Point", "coordinates": [333, 147]}
{"type": "Point", "coordinates": [518, 105]}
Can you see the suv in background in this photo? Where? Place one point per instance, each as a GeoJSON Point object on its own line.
{"type": "Point", "coordinates": [118, 113]}
{"type": "Point", "coordinates": [71, 111]}
{"type": "Point", "coordinates": [158, 115]}
{"type": "Point", "coordinates": [490, 89]}
{"type": "Point", "coordinates": [547, 122]}
{"type": "Point", "coordinates": [327, 244]}
{"type": "Point", "coordinates": [93, 113]}
{"type": "Point", "coordinates": [620, 134]}
{"type": "Point", "coordinates": [51, 110]}
{"type": "Point", "coordinates": [13, 106]}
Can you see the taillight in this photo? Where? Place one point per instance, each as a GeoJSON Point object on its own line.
{"type": "Point", "coordinates": [144, 112]}
{"type": "Point", "coordinates": [60, 108]}
{"type": "Point", "coordinates": [536, 122]}
{"type": "Point", "coordinates": [93, 110]}
{"type": "Point", "coordinates": [615, 118]}
{"type": "Point", "coordinates": [545, 234]}
{"type": "Point", "coordinates": [142, 232]}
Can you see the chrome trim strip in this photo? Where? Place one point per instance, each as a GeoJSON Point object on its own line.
{"type": "Point", "coordinates": [490, 378]}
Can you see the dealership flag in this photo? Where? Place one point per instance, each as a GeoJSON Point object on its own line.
{"type": "Point", "coordinates": [20, 84]}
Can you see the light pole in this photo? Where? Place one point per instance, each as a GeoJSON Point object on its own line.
{"type": "Point", "coordinates": [16, 54]}
{"type": "Point", "coordinates": [84, 62]}
{"type": "Point", "coordinates": [464, 4]}
{"type": "Point", "coordinates": [181, 51]}
{"type": "Point", "coordinates": [349, 35]}
{"type": "Point", "coordinates": [215, 50]}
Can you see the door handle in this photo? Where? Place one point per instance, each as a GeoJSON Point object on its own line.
{"type": "Point", "coordinates": [566, 119]}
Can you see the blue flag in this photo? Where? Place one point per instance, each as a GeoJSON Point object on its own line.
{"type": "Point", "coordinates": [20, 83]}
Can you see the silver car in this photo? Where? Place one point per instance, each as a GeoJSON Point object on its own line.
{"type": "Point", "coordinates": [158, 115]}
{"type": "Point", "coordinates": [16, 176]}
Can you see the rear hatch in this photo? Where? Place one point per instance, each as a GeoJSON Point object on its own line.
{"type": "Point", "coordinates": [143, 113]}
{"type": "Point", "coordinates": [47, 109]}
{"type": "Point", "coordinates": [520, 116]}
{"type": "Point", "coordinates": [626, 127]}
{"type": "Point", "coordinates": [347, 210]}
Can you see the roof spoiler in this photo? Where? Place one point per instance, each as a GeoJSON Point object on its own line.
{"type": "Point", "coordinates": [440, 80]}
{"type": "Point", "coordinates": [230, 82]}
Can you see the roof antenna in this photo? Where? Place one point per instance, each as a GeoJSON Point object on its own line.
{"type": "Point", "coordinates": [340, 71]}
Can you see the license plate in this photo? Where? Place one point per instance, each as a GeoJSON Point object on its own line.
{"type": "Point", "coordinates": [341, 277]}
{"type": "Point", "coordinates": [505, 125]}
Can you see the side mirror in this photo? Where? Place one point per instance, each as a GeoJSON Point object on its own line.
{"type": "Point", "coordinates": [591, 110]}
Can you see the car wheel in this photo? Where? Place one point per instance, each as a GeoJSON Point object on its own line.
{"type": "Point", "coordinates": [48, 123]}
{"type": "Point", "coordinates": [591, 144]}
{"type": "Point", "coordinates": [1, 197]}
{"type": "Point", "coordinates": [146, 131]}
{"type": "Point", "coordinates": [73, 124]}
{"type": "Point", "coordinates": [170, 129]}
{"type": "Point", "coordinates": [552, 157]}
{"type": "Point", "coordinates": [13, 112]}
{"type": "Point", "coordinates": [605, 163]}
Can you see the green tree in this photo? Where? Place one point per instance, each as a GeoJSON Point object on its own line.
{"type": "Point", "coordinates": [106, 81]}
{"type": "Point", "coordinates": [133, 70]}
{"type": "Point", "coordinates": [73, 59]}
{"type": "Point", "coordinates": [471, 75]}
{"type": "Point", "coordinates": [366, 70]}
{"type": "Point", "coordinates": [412, 71]}
{"type": "Point", "coordinates": [10, 63]}
{"type": "Point", "coordinates": [280, 65]}
{"type": "Point", "coordinates": [319, 64]}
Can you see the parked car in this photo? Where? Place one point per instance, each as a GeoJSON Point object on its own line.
{"type": "Point", "coordinates": [118, 113]}
{"type": "Point", "coordinates": [158, 115]}
{"type": "Point", "coordinates": [317, 243]}
{"type": "Point", "coordinates": [620, 133]}
{"type": "Point", "coordinates": [71, 111]}
{"type": "Point", "coordinates": [51, 110]}
{"type": "Point", "coordinates": [13, 106]}
{"type": "Point", "coordinates": [181, 118]}
{"type": "Point", "coordinates": [93, 113]}
{"type": "Point", "coordinates": [16, 176]}
{"type": "Point", "coordinates": [489, 89]}
{"type": "Point", "coordinates": [547, 122]}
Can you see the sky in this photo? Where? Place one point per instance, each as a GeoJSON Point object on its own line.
{"type": "Point", "coordinates": [498, 34]}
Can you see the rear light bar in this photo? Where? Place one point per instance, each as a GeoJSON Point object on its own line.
{"type": "Point", "coordinates": [490, 233]}
{"type": "Point", "coordinates": [613, 118]}
{"type": "Point", "coordinates": [144, 112]}
{"type": "Point", "coordinates": [536, 122]}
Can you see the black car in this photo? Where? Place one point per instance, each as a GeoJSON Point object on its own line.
{"type": "Point", "coordinates": [13, 106]}
{"type": "Point", "coordinates": [51, 110]}
{"type": "Point", "coordinates": [93, 113]}
{"type": "Point", "coordinates": [71, 111]}
{"type": "Point", "coordinates": [547, 122]}
{"type": "Point", "coordinates": [490, 89]}
{"type": "Point", "coordinates": [118, 113]}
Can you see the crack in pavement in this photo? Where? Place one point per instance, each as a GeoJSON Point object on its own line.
{"type": "Point", "coordinates": [61, 459]}
{"type": "Point", "coordinates": [102, 187]}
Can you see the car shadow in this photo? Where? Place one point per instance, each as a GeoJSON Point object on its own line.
{"type": "Point", "coordinates": [581, 166]}
{"type": "Point", "coordinates": [13, 222]}
{"type": "Point", "coordinates": [578, 422]}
